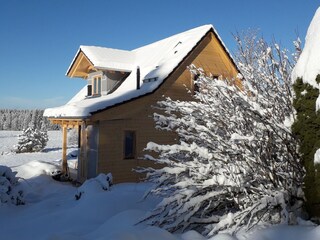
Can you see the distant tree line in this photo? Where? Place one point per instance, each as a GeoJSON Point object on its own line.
{"type": "Point", "coordinates": [17, 120]}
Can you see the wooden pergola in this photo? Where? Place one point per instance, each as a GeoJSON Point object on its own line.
{"type": "Point", "coordinates": [65, 124]}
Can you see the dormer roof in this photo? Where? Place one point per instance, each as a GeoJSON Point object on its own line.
{"type": "Point", "coordinates": [101, 58]}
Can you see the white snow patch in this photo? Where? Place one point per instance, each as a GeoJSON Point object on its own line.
{"type": "Point", "coordinates": [223, 236]}
{"type": "Point", "coordinates": [316, 159]}
{"type": "Point", "coordinates": [288, 121]}
{"type": "Point", "coordinates": [192, 235]}
{"type": "Point", "coordinates": [100, 183]}
{"type": "Point", "coordinates": [318, 103]}
{"type": "Point", "coordinates": [308, 65]}
{"type": "Point", "coordinates": [304, 92]}
{"type": "Point", "coordinates": [236, 136]}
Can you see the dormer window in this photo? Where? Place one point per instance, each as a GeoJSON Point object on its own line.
{"type": "Point", "coordinates": [96, 85]}
{"type": "Point", "coordinates": [101, 83]}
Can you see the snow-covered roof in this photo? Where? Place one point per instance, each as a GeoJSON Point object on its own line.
{"type": "Point", "coordinates": [108, 58]}
{"type": "Point", "coordinates": [158, 60]}
{"type": "Point", "coordinates": [308, 65]}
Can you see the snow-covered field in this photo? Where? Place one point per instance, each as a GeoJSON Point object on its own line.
{"type": "Point", "coordinates": [51, 211]}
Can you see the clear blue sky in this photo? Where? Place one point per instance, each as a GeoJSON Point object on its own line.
{"type": "Point", "coordinates": [38, 39]}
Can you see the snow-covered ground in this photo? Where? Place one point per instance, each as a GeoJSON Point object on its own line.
{"type": "Point", "coordinates": [52, 212]}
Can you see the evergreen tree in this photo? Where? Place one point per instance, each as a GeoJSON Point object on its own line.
{"type": "Point", "coordinates": [31, 140]}
{"type": "Point", "coordinates": [307, 128]}
{"type": "Point", "coordinates": [18, 120]}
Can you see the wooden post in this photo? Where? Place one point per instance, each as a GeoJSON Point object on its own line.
{"type": "Point", "coordinates": [82, 159]}
{"type": "Point", "coordinates": [64, 151]}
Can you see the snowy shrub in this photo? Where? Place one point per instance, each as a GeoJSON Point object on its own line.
{"type": "Point", "coordinates": [31, 140]}
{"type": "Point", "coordinates": [102, 182]}
{"type": "Point", "coordinates": [236, 163]}
{"type": "Point", "coordinates": [9, 190]}
{"type": "Point", "coordinates": [73, 137]}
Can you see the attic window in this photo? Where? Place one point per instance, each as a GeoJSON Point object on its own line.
{"type": "Point", "coordinates": [146, 80]}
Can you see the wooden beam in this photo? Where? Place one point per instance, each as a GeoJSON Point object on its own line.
{"type": "Point", "coordinates": [64, 151]}
{"type": "Point", "coordinates": [78, 61]}
{"type": "Point", "coordinates": [82, 162]}
{"type": "Point", "coordinates": [92, 68]}
{"type": "Point", "coordinates": [80, 74]}
{"type": "Point", "coordinates": [71, 123]}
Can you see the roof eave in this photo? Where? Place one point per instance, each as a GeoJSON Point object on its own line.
{"type": "Point", "coordinates": [74, 61]}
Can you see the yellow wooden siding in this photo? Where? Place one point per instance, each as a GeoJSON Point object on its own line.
{"type": "Point", "coordinates": [213, 59]}
{"type": "Point", "coordinates": [111, 146]}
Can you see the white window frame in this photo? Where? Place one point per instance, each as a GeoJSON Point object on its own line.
{"type": "Point", "coordinates": [96, 81]}
{"type": "Point", "coordinates": [96, 86]}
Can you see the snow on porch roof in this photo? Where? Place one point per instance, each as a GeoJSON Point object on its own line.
{"type": "Point", "coordinates": [156, 60]}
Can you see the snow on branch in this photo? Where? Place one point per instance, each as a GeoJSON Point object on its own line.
{"type": "Point", "coordinates": [11, 191]}
{"type": "Point", "coordinates": [236, 163]}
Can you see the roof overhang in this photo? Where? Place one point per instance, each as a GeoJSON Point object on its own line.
{"type": "Point", "coordinates": [68, 122]}
{"type": "Point", "coordinates": [80, 66]}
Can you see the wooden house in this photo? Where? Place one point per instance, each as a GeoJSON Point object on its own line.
{"type": "Point", "coordinates": [114, 111]}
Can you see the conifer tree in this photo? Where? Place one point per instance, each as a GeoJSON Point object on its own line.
{"type": "Point", "coordinates": [31, 140]}
{"type": "Point", "coordinates": [307, 128]}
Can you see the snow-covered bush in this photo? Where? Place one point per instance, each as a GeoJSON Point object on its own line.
{"type": "Point", "coordinates": [73, 137]}
{"type": "Point", "coordinates": [102, 182]}
{"type": "Point", "coordinates": [9, 190]}
{"type": "Point", "coordinates": [31, 140]}
{"type": "Point", "coordinates": [235, 163]}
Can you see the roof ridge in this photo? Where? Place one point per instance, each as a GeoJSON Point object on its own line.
{"type": "Point", "coordinates": [206, 26]}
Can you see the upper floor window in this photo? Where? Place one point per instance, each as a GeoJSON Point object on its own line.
{"type": "Point", "coordinates": [96, 85]}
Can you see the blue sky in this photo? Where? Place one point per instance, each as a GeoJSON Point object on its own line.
{"type": "Point", "coordinates": [38, 39]}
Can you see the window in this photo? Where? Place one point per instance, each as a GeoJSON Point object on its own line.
{"type": "Point", "coordinates": [129, 144]}
{"type": "Point", "coordinates": [97, 85]}
{"type": "Point", "coordinates": [89, 88]}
